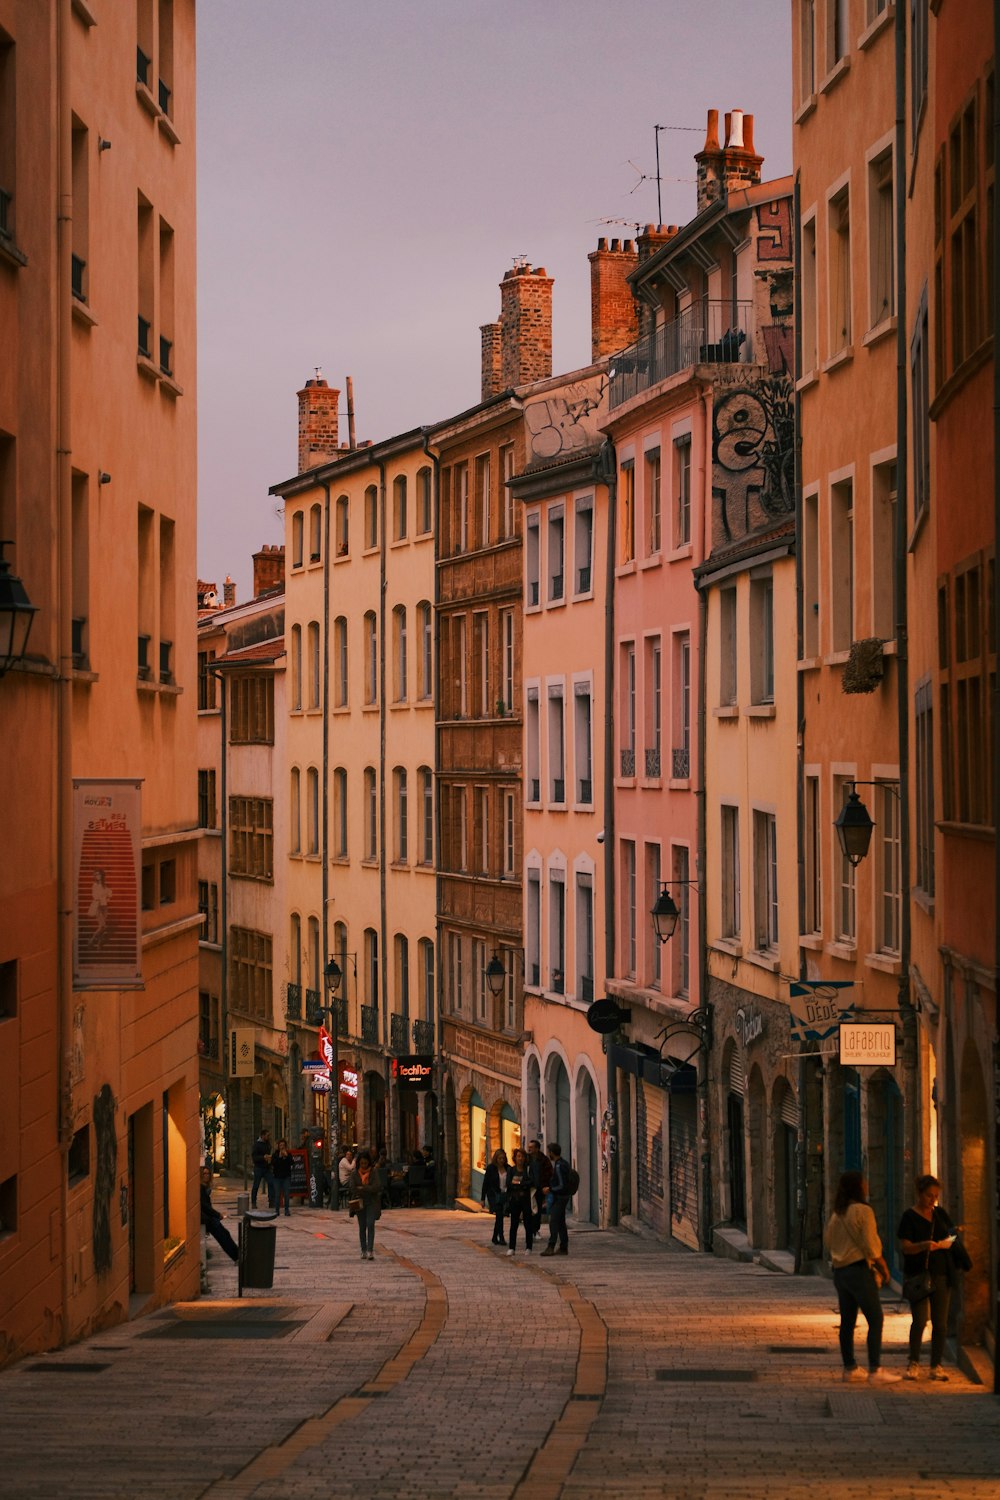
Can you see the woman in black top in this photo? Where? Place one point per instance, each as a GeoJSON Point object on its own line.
{"type": "Point", "coordinates": [495, 1180]}
{"type": "Point", "coordinates": [519, 1199]}
{"type": "Point", "coordinates": [281, 1171]}
{"type": "Point", "coordinates": [926, 1235]}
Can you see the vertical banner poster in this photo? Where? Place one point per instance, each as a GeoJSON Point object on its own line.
{"type": "Point", "coordinates": [242, 1057]}
{"type": "Point", "coordinates": [107, 859]}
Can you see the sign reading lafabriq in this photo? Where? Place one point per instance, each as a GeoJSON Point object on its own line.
{"type": "Point", "coordinates": [867, 1044]}
{"type": "Point", "coordinates": [107, 858]}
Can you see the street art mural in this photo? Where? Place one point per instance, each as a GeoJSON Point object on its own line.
{"type": "Point", "coordinates": [753, 456]}
{"type": "Point", "coordinates": [566, 422]}
{"type": "Point", "coordinates": [106, 1143]}
{"type": "Point", "coordinates": [774, 230]}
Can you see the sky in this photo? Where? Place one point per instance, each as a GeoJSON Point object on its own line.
{"type": "Point", "coordinates": [368, 169]}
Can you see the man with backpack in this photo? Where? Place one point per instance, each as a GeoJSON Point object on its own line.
{"type": "Point", "coordinates": [565, 1181]}
{"type": "Point", "coordinates": [540, 1169]}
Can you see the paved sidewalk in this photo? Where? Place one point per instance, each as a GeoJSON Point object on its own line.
{"type": "Point", "coordinates": [445, 1368]}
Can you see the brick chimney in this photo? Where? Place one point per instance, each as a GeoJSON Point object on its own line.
{"type": "Point", "coordinates": [268, 570]}
{"type": "Point", "coordinates": [492, 359]}
{"type": "Point", "coordinates": [613, 319]}
{"type": "Point", "coordinates": [731, 166]}
{"type": "Point", "coordinates": [525, 326]}
{"type": "Point", "coordinates": [318, 432]}
{"type": "Point", "coordinates": [228, 593]}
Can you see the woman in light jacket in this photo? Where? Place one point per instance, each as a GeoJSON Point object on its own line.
{"type": "Point", "coordinates": [496, 1181]}
{"type": "Point", "coordinates": [856, 1253]}
{"type": "Point", "coordinates": [365, 1185]}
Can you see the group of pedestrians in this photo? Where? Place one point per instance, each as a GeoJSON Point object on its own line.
{"type": "Point", "coordinates": [932, 1255]}
{"type": "Point", "coordinates": [272, 1166]}
{"type": "Point", "coordinates": [522, 1189]}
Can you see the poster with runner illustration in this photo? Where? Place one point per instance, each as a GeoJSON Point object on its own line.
{"type": "Point", "coordinates": [107, 855]}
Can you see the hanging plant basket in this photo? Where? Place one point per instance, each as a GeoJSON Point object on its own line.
{"type": "Point", "coordinates": [865, 666]}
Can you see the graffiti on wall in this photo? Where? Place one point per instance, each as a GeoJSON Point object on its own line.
{"type": "Point", "coordinates": [774, 230]}
{"type": "Point", "coordinates": [106, 1145]}
{"type": "Point", "coordinates": [566, 421]}
{"type": "Point", "coordinates": [753, 458]}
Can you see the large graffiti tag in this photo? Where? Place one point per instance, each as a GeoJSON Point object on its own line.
{"type": "Point", "coordinates": [565, 422]}
{"type": "Point", "coordinates": [753, 458]}
{"type": "Point", "coordinates": [774, 239]}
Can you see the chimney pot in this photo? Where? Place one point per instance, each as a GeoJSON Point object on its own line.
{"type": "Point", "coordinates": [711, 133]}
{"type": "Point", "coordinates": [748, 135]}
{"type": "Point", "coordinates": [736, 134]}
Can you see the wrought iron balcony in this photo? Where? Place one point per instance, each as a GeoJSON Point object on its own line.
{"type": "Point", "coordinates": [314, 1013]}
{"type": "Point", "coordinates": [556, 586]}
{"type": "Point", "coordinates": [293, 1001]}
{"type": "Point", "coordinates": [340, 1014]}
{"type": "Point", "coordinates": [423, 1036]}
{"type": "Point", "coordinates": [628, 762]}
{"type": "Point", "coordinates": [6, 218]}
{"type": "Point", "coordinates": [397, 1032]}
{"type": "Point", "coordinates": [369, 1024]}
{"type": "Point", "coordinates": [681, 764]}
{"type": "Point", "coordinates": [652, 763]}
{"type": "Point", "coordinates": [583, 581]}
{"type": "Point", "coordinates": [586, 789]}
{"type": "Point", "coordinates": [708, 333]}
{"type": "Point", "coordinates": [558, 789]}
{"type": "Point", "coordinates": [78, 270]}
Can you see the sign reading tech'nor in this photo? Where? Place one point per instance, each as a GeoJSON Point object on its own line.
{"type": "Point", "coordinates": [867, 1045]}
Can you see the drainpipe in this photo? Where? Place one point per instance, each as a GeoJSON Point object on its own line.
{"type": "Point", "coordinates": [333, 1113]}
{"type": "Point", "coordinates": [220, 678]}
{"type": "Point", "coordinates": [383, 919]}
{"type": "Point", "coordinates": [704, 1096]}
{"type": "Point", "coordinates": [440, 1166]}
{"type": "Point", "coordinates": [907, 1012]}
{"type": "Point", "coordinates": [608, 471]}
{"type": "Point", "coordinates": [64, 619]}
{"type": "Point", "coordinates": [996, 719]}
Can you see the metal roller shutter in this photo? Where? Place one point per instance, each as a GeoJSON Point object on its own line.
{"type": "Point", "coordinates": [650, 1103]}
{"type": "Point", "coordinates": [684, 1169]}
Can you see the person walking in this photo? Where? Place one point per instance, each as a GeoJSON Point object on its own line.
{"type": "Point", "coordinates": [540, 1169]}
{"type": "Point", "coordinates": [261, 1158]}
{"type": "Point", "coordinates": [859, 1269]}
{"type": "Point", "coordinates": [364, 1189]}
{"type": "Point", "coordinates": [519, 1202]}
{"type": "Point", "coordinates": [496, 1180]}
{"type": "Point", "coordinates": [926, 1236]}
{"type": "Point", "coordinates": [281, 1171]}
{"type": "Point", "coordinates": [557, 1201]}
{"type": "Point", "coordinates": [212, 1219]}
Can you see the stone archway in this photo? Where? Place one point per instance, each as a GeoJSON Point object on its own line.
{"type": "Point", "coordinates": [585, 1148]}
{"type": "Point", "coordinates": [558, 1118]}
{"type": "Point", "coordinates": [975, 1195]}
{"type": "Point", "coordinates": [784, 1135]}
{"type": "Point", "coordinates": [533, 1100]}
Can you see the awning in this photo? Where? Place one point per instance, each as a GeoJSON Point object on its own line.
{"type": "Point", "coordinates": [664, 1072]}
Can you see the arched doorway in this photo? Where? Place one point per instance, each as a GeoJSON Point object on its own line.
{"type": "Point", "coordinates": [375, 1111]}
{"type": "Point", "coordinates": [784, 1138]}
{"type": "Point", "coordinates": [533, 1101]}
{"type": "Point", "coordinates": [759, 1228]}
{"type": "Point", "coordinates": [509, 1132]}
{"type": "Point", "coordinates": [976, 1196]}
{"type": "Point", "coordinates": [477, 1143]}
{"type": "Point", "coordinates": [558, 1124]}
{"type": "Point", "coordinates": [885, 1161]}
{"type": "Point", "coordinates": [735, 1164]}
{"type": "Point", "coordinates": [585, 1157]}
{"type": "Point", "coordinates": [448, 1170]}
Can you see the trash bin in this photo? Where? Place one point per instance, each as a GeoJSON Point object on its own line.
{"type": "Point", "coordinates": [257, 1240]}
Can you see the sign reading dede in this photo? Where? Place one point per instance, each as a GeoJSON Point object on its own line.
{"type": "Point", "coordinates": [414, 1073]}
{"type": "Point", "coordinates": [867, 1044]}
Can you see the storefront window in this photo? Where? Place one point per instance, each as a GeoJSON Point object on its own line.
{"type": "Point", "coordinates": [510, 1132]}
{"type": "Point", "coordinates": [477, 1140]}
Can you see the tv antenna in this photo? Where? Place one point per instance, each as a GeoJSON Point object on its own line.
{"type": "Point", "coordinates": [658, 177]}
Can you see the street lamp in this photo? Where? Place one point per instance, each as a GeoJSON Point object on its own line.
{"type": "Point", "coordinates": [16, 615]}
{"type": "Point", "coordinates": [853, 823]}
{"type": "Point", "coordinates": [496, 976]}
{"type": "Point", "coordinates": [666, 914]}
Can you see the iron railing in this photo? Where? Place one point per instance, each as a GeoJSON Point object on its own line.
{"type": "Point", "coordinates": [558, 790]}
{"type": "Point", "coordinates": [556, 586]}
{"type": "Point", "coordinates": [293, 1001]}
{"type": "Point", "coordinates": [145, 328]}
{"type": "Point", "coordinates": [586, 790]}
{"type": "Point", "coordinates": [6, 199]}
{"type": "Point", "coordinates": [397, 1032]}
{"type": "Point", "coordinates": [680, 764]}
{"type": "Point", "coordinates": [558, 982]}
{"type": "Point", "coordinates": [142, 67]}
{"type": "Point", "coordinates": [707, 333]}
{"type": "Point", "coordinates": [628, 762]}
{"type": "Point", "coordinates": [423, 1036]}
{"type": "Point", "coordinates": [369, 1024]}
{"type": "Point", "coordinates": [586, 987]}
{"type": "Point", "coordinates": [652, 762]}
{"type": "Point", "coordinates": [314, 1014]}
{"type": "Point", "coordinates": [535, 790]}
{"type": "Point", "coordinates": [583, 585]}
{"type": "Point", "coordinates": [77, 272]}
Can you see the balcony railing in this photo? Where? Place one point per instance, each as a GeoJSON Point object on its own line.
{"type": "Point", "coordinates": [313, 1002]}
{"type": "Point", "coordinates": [397, 1032]}
{"type": "Point", "coordinates": [166, 356]}
{"type": "Point", "coordinates": [533, 591]}
{"type": "Point", "coordinates": [163, 97]}
{"type": "Point", "coordinates": [142, 656]}
{"type": "Point", "coordinates": [145, 328]}
{"type": "Point", "coordinates": [166, 675]}
{"type": "Point", "coordinates": [680, 763]}
{"type": "Point", "coordinates": [628, 762]}
{"type": "Point", "coordinates": [586, 790]}
{"type": "Point", "coordinates": [208, 1046]}
{"type": "Point", "coordinates": [534, 790]}
{"type": "Point", "coordinates": [583, 581]}
{"type": "Point", "coordinates": [369, 1024]}
{"type": "Point", "coordinates": [708, 333]}
{"type": "Point", "coordinates": [77, 273]}
{"type": "Point", "coordinates": [558, 789]}
{"type": "Point", "coordinates": [556, 586]}
{"type": "Point", "coordinates": [6, 218]}
{"type": "Point", "coordinates": [586, 988]}
{"type": "Point", "coordinates": [142, 67]}
{"type": "Point", "coordinates": [340, 1009]}
{"type": "Point", "coordinates": [423, 1036]}
{"type": "Point", "coordinates": [293, 1001]}
{"type": "Point", "coordinates": [652, 762]}
{"type": "Point", "coordinates": [558, 982]}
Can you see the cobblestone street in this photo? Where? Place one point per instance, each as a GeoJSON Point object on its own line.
{"type": "Point", "coordinates": [445, 1368]}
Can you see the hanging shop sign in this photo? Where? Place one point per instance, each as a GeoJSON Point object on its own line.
{"type": "Point", "coordinates": [413, 1073]}
{"type": "Point", "coordinates": [348, 1083]}
{"type": "Point", "coordinates": [816, 1010]}
{"type": "Point", "coordinates": [107, 859]}
{"type": "Point", "coordinates": [605, 1016]}
{"type": "Point", "coordinates": [868, 1044]}
{"type": "Point", "coordinates": [241, 1052]}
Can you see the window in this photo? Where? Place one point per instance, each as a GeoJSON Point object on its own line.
{"type": "Point", "coordinates": [533, 933]}
{"type": "Point", "coordinates": [557, 932]}
{"type": "Point", "coordinates": [8, 115]}
{"type": "Point", "coordinates": [810, 576]}
{"type": "Point", "coordinates": [81, 188]}
{"type": "Point", "coordinates": [167, 335]}
{"type": "Point", "coordinates": [682, 490]}
{"type": "Point", "coordinates": [481, 664]}
{"type": "Point", "coordinates": [652, 965]}
{"type": "Point", "coordinates": [730, 872]}
{"type": "Point", "coordinates": [884, 550]}
{"type": "Point", "coordinates": [426, 969]}
{"type": "Point", "coordinates": [881, 256]}
{"type": "Point", "coordinates": [427, 815]}
{"type": "Point", "coordinates": [461, 668]}
{"type": "Point", "coordinates": [920, 406]}
{"type": "Point", "coordinates": [401, 946]}
{"type": "Point", "coordinates": [840, 270]}
{"type": "Point", "coordinates": [918, 64]}
{"type": "Point", "coordinates": [342, 526]}
{"type": "Point", "coordinates": [461, 829]}
{"type": "Point", "coordinates": [507, 470]}
{"type": "Point", "coordinates": [626, 502]}
{"type": "Point", "coordinates": [340, 813]}
{"type": "Point", "coordinates": [314, 976]}
{"type": "Point", "coordinates": [208, 906]}
{"type": "Point", "coordinates": [371, 658]}
{"type": "Point", "coordinates": [371, 518]}
{"type": "Point", "coordinates": [483, 500]}
{"type": "Point", "coordinates": [807, 49]}
{"type": "Point", "coordinates": [813, 856]}
{"type": "Point", "coordinates": [297, 539]}
{"type": "Point", "coordinates": [584, 545]}
{"type": "Point", "coordinates": [424, 501]}
{"type": "Point", "coordinates": [762, 640]}
{"type": "Point", "coordinates": [340, 678]}
{"type": "Point", "coordinates": [145, 246]}
{"type": "Point", "coordinates": [653, 698]}
{"type": "Point", "coordinates": [296, 668]}
{"type": "Point", "coordinates": [207, 814]}
{"type": "Point", "coordinates": [312, 811]}
{"type": "Point", "coordinates": [651, 481]}
{"type": "Point", "coordinates": [402, 825]}
{"type": "Point", "coordinates": [583, 740]}
{"type": "Point", "coordinates": [765, 881]}
{"type": "Point", "coordinates": [556, 554]}
{"type": "Point", "coordinates": [842, 564]}
{"type": "Point", "coordinates": [924, 787]}
{"type": "Point", "coordinates": [208, 1024]}
{"type": "Point", "coordinates": [371, 967]}
{"type": "Point", "coordinates": [628, 918]}
{"type": "Point", "coordinates": [295, 812]}
{"type": "Point", "coordinates": [315, 533]}
{"type": "Point", "coordinates": [972, 678]}
{"type": "Point", "coordinates": [312, 634]}
{"type": "Point", "coordinates": [481, 829]}
{"type": "Point", "coordinates": [165, 56]}
{"type": "Point", "coordinates": [889, 899]}
{"type": "Point", "coordinates": [845, 916]}
{"type": "Point", "coordinates": [399, 654]}
{"type": "Point", "coordinates": [252, 710]}
{"type": "Point", "coordinates": [425, 625]}
{"type": "Point", "coordinates": [681, 751]}
{"type": "Point", "coordinates": [807, 295]}
{"type": "Point", "coordinates": [460, 526]}
{"type": "Point", "coordinates": [479, 1005]}
{"type": "Point", "coordinates": [399, 531]}
{"type": "Point", "coordinates": [557, 746]}
{"type": "Point", "coordinates": [838, 32]}
{"type": "Point", "coordinates": [680, 946]}
{"type": "Point", "coordinates": [507, 659]}
{"type": "Point", "coordinates": [146, 591]}
{"type": "Point", "coordinates": [206, 682]}
{"type": "Point", "coordinates": [509, 835]}
{"type": "Point", "coordinates": [727, 647]}
{"type": "Point", "coordinates": [455, 956]}
{"type": "Point", "coordinates": [167, 592]}
{"type": "Point", "coordinates": [532, 558]}
{"type": "Point", "coordinates": [533, 747]}
{"type": "Point", "coordinates": [371, 814]}
{"type": "Point", "coordinates": [250, 972]}
{"type": "Point", "coordinates": [584, 927]}
{"type": "Point", "coordinates": [626, 689]}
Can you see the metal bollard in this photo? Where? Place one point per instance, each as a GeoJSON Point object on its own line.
{"type": "Point", "coordinates": [242, 1204]}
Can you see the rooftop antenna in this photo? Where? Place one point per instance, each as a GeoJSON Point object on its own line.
{"type": "Point", "coordinates": [626, 223]}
